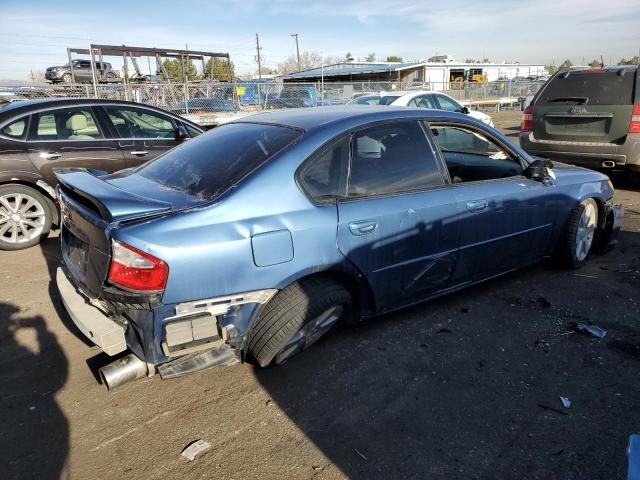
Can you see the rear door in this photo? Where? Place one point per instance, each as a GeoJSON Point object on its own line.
{"type": "Point", "coordinates": [592, 106]}
{"type": "Point", "coordinates": [142, 134]}
{"type": "Point", "coordinates": [71, 137]}
{"type": "Point", "coordinates": [398, 223]}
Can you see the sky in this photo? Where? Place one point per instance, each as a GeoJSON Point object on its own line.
{"type": "Point", "coordinates": [34, 35]}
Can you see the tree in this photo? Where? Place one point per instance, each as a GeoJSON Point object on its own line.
{"type": "Point", "coordinates": [307, 60]}
{"type": "Point", "coordinates": [348, 57]}
{"type": "Point", "coordinates": [632, 61]}
{"type": "Point", "coordinates": [394, 58]}
{"type": "Point", "coordinates": [595, 63]}
{"type": "Point", "coordinates": [551, 69]}
{"type": "Point", "coordinates": [566, 64]}
{"type": "Point", "coordinates": [175, 70]}
{"type": "Point", "coordinates": [218, 68]}
{"type": "Point", "coordinates": [371, 57]}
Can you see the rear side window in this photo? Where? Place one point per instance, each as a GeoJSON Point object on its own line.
{"type": "Point", "coordinates": [210, 164]}
{"type": "Point", "coordinates": [324, 175]}
{"type": "Point", "coordinates": [66, 124]}
{"type": "Point", "coordinates": [392, 158]}
{"type": "Point", "coordinates": [591, 88]}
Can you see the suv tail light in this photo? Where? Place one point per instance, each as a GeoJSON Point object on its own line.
{"type": "Point", "coordinates": [133, 269]}
{"type": "Point", "coordinates": [634, 126]}
{"type": "Point", "coordinates": [527, 119]}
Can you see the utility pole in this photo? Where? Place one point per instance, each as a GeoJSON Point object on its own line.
{"type": "Point", "coordinates": [295, 35]}
{"type": "Point", "coordinates": [258, 52]}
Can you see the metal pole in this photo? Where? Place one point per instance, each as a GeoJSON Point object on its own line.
{"type": "Point", "coordinates": [93, 73]}
{"type": "Point", "coordinates": [73, 75]}
{"type": "Point", "coordinates": [258, 52]}
{"type": "Point", "coordinates": [125, 78]}
{"type": "Point", "coordinates": [295, 35]}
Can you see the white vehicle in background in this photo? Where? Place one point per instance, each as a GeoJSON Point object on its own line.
{"type": "Point", "coordinates": [438, 101]}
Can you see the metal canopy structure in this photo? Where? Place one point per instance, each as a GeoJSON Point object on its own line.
{"type": "Point", "coordinates": [133, 53]}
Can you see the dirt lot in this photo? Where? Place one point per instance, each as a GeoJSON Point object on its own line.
{"type": "Point", "coordinates": [467, 386]}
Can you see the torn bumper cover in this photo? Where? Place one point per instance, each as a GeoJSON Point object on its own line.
{"type": "Point", "coordinates": [177, 339]}
{"type": "Point", "coordinates": [614, 216]}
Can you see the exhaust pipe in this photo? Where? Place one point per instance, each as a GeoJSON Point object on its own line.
{"type": "Point", "coordinates": [123, 370]}
{"type": "Point", "coordinates": [608, 163]}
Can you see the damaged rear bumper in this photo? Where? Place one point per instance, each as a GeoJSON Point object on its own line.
{"type": "Point", "coordinates": [176, 339]}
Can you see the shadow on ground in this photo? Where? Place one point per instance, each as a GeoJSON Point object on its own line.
{"type": "Point", "coordinates": [35, 433]}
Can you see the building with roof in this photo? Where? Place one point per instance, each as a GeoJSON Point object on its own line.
{"type": "Point", "coordinates": [438, 74]}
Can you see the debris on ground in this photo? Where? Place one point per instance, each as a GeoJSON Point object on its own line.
{"type": "Point", "coordinates": [365, 458]}
{"type": "Point", "coordinates": [194, 449]}
{"type": "Point", "coordinates": [593, 330]}
{"type": "Point", "coordinates": [566, 403]}
{"type": "Point", "coordinates": [583, 275]}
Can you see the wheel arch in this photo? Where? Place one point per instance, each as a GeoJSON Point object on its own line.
{"type": "Point", "coordinates": [39, 185]}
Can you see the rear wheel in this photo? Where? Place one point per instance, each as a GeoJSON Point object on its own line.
{"type": "Point", "coordinates": [579, 235]}
{"type": "Point", "coordinates": [296, 318]}
{"type": "Point", "coordinates": [25, 217]}
{"type": "Point", "coordinates": [67, 78]}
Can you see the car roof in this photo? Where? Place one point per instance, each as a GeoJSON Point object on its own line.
{"type": "Point", "coordinates": [26, 106]}
{"type": "Point", "coordinates": [319, 118]}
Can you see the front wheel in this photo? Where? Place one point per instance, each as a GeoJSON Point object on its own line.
{"type": "Point", "coordinates": [296, 318]}
{"type": "Point", "coordinates": [67, 78]}
{"type": "Point", "coordinates": [579, 235]}
{"type": "Point", "coordinates": [25, 217]}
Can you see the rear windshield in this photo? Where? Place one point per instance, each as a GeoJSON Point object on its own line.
{"type": "Point", "coordinates": [598, 88]}
{"type": "Point", "coordinates": [387, 99]}
{"type": "Point", "coordinates": [208, 165]}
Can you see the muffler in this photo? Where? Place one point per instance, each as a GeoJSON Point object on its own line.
{"type": "Point", "coordinates": [608, 164]}
{"type": "Point", "coordinates": [123, 370]}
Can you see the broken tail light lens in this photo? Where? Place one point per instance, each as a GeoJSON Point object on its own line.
{"type": "Point", "coordinates": [634, 126]}
{"type": "Point", "coordinates": [135, 270]}
{"type": "Point", "coordinates": [527, 119]}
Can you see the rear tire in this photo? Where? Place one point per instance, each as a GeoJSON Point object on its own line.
{"type": "Point", "coordinates": [296, 318]}
{"type": "Point", "coordinates": [67, 78]}
{"type": "Point", "coordinates": [25, 217]}
{"type": "Point", "coordinates": [579, 235]}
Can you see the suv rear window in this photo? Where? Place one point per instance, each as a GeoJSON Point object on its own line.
{"type": "Point", "coordinates": [208, 165]}
{"type": "Point", "coordinates": [599, 88]}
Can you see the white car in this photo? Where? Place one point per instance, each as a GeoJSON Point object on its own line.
{"type": "Point", "coordinates": [438, 101]}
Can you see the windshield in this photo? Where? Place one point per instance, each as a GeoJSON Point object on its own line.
{"type": "Point", "coordinates": [600, 87]}
{"type": "Point", "coordinates": [208, 165]}
{"type": "Point", "coordinates": [388, 99]}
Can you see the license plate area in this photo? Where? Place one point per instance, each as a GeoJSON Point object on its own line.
{"type": "Point", "coordinates": [74, 252]}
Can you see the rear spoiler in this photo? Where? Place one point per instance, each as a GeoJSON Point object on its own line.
{"type": "Point", "coordinates": [111, 203]}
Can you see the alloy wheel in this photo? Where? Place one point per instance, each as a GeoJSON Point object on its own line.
{"type": "Point", "coordinates": [22, 218]}
{"type": "Point", "coordinates": [585, 231]}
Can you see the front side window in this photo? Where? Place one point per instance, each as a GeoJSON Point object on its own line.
{"type": "Point", "coordinates": [324, 175]}
{"type": "Point", "coordinates": [392, 158]}
{"type": "Point", "coordinates": [473, 156]}
{"type": "Point", "coordinates": [66, 124]}
{"type": "Point", "coordinates": [448, 104]}
{"type": "Point", "coordinates": [424, 101]}
{"type": "Point", "coordinates": [210, 164]}
{"type": "Point", "coordinates": [134, 123]}
{"type": "Point", "coordinates": [16, 129]}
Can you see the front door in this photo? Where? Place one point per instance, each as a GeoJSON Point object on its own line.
{"type": "Point", "coordinates": [142, 134]}
{"type": "Point", "coordinates": [506, 219]}
{"type": "Point", "coordinates": [398, 224]}
{"type": "Point", "coordinates": [71, 137]}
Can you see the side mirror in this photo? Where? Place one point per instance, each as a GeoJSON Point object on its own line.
{"type": "Point", "coordinates": [540, 170]}
{"type": "Point", "coordinates": [465, 110]}
{"type": "Point", "coordinates": [181, 133]}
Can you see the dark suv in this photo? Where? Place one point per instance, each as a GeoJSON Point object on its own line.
{"type": "Point", "coordinates": [37, 136]}
{"type": "Point", "coordinates": [81, 72]}
{"type": "Point", "coordinates": [586, 116]}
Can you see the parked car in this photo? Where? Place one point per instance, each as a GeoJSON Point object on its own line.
{"type": "Point", "coordinates": [81, 71]}
{"type": "Point", "coordinates": [586, 116]}
{"type": "Point", "coordinates": [382, 98]}
{"type": "Point", "coordinates": [204, 105]}
{"type": "Point", "coordinates": [297, 96]}
{"type": "Point", "coordinates": [440, 101]}
{"type": "Point", "coordinates": [255, 238]}
{"type": "Point", "coordinates": [37, 136]}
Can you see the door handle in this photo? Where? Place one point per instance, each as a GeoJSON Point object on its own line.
{"type": "Point", "coordinates": [477, 205]}
{"type": "Point", "coordinates": [50, 155]}
{"type": "Point", "coordinates": [364, 227]}
{"type": "Point", "coordinates": [139, 153]}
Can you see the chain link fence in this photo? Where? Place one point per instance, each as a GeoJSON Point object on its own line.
{"type": "Point", "coordinates": [220, 97]}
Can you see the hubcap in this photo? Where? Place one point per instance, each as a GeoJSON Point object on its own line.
{"type": "Point", "coordinates": [585, 231]}
{"type": "Point", "coordinates": [22, 218]}
{"type": "Point", "coordinates": [310, 333]}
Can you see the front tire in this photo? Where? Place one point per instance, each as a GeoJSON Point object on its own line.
{"type": "Point", "coordinates": [67, 78]}
{"type": "Point", "coordinates": [25, 217]}
{"type": "Point", "coordinates": [579, 235]}
{"type": "Point", "coordinates": [296, 318]}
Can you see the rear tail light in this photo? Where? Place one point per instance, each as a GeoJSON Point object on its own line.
{"type": "Point", "coordinates": [527, 119]}
{"type": "Point", "coordinates": [135, 270]}
{"type": "Point", "coordinates": [634, 126]}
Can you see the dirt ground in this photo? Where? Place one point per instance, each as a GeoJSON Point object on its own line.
{"type": "Point", "coordinates": [464, 387]}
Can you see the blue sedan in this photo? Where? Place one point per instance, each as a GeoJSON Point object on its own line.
{"type": "Point", "coordinates": [253, 240]}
